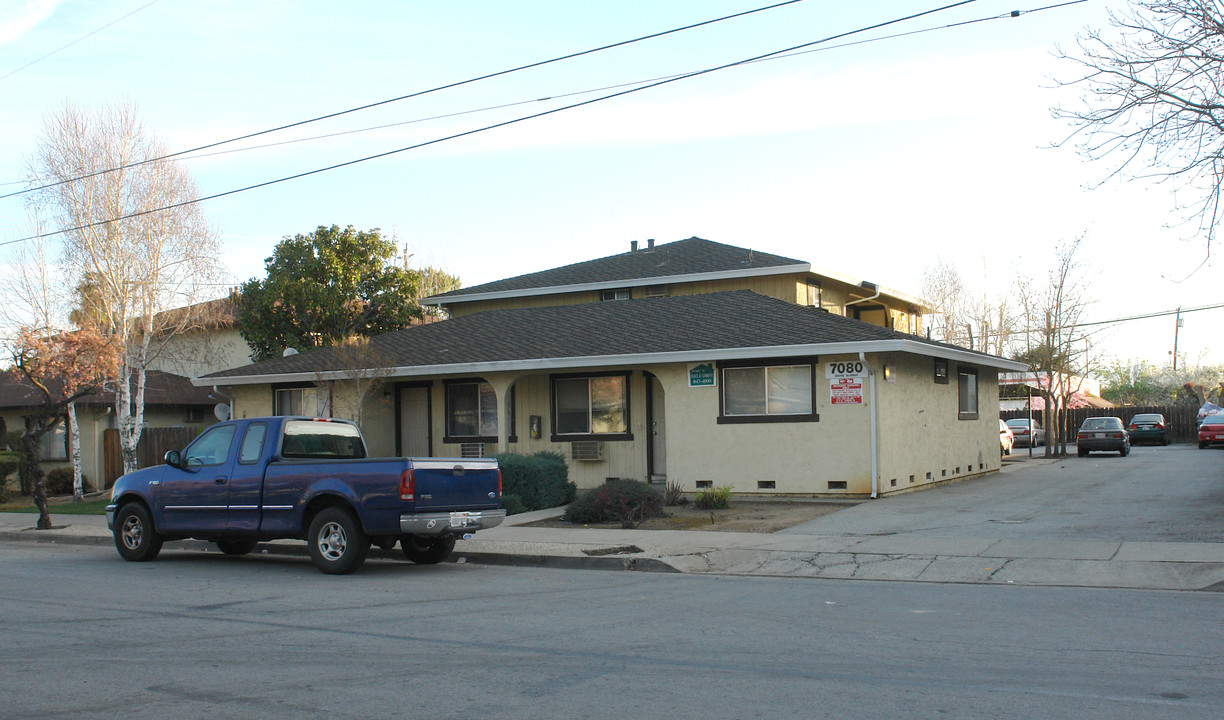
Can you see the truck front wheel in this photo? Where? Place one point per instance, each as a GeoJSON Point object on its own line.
{"type": "Point", "coordinates": [338, 545]}
{"type": "Point", "coordinates": [134, 535]}
{"type": "Point", "coordinates": [427, 550]}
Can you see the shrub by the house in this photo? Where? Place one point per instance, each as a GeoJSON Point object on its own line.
{"type": "Point", "coordinates": [628, 502]}
{"type": "Point", "coordinates": [536, 481]}
{"type": "Point", "coordinates": [59, 482]}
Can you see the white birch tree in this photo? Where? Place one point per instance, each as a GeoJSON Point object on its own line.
{"type": "Point", "coordinates": [144, 260]}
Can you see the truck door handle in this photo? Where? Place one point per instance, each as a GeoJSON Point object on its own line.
{"type": "Point", "coordinates": [221, 479]}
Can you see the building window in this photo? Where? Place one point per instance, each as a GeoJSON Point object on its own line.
{"type": "Point", "coordinates": [301, 399]}
{"type": "Point", "coordinates": [471, 412]}
{"type": "Point", "coordinates": [767, 393]}
{"type": "Point", "coordinates": [54, 444]}
{"type": "Point", "coordinates": [618, 294]}
{"type": "Point", "coordinates": [288, 402]}
{"type": "Point", "coordinates": [967, 392]}
{"type": "Point", "coordinates": [941, 371]}
{"type": "Point", "coordinates": [590, 407]}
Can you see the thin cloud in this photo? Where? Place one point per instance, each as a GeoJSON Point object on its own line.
{"type": "Point", "coordinates": [17, 18]}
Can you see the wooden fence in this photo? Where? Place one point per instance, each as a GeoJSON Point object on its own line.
{"type": "Point", "coordinates": [154, 442]}
{"type": "Point", "coordinates": [1179, 419]}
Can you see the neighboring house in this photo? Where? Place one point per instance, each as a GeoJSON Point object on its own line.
{"type": "Point", "coordinates": [170, 401]}
{"type": "Point", "coordinates": [691, 267]}
{"type": "Point", "coordinates": [1016, 388]}
{"type": "Point", "coordinates": [716, 371]}
{"type": "Point", "coordinates": [212, 343]}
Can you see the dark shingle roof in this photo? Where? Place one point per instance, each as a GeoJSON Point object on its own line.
{"type": "Point", "coordinates": [684, 257]}
{"type": "Point", "coordinates": [690, 323]}
{"type": "Point", "coordinates": [161, 389]}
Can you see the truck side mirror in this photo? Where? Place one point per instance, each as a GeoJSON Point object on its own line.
{"type": "Point", "coordinates": [173, 459]}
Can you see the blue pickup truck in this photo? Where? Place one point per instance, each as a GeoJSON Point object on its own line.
{"type": "Point", "coordinates": [267, 478]}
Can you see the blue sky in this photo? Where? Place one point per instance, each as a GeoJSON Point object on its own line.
{"type": "Point", "coordinates": [871, 160]}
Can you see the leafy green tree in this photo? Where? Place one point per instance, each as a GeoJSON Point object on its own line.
{"type": "Point", "coordinates": [1135, 384]}
{"type": "Point", "coordinates": [324, 287]}
{"type": "Point", "coordinates": [435, 281]}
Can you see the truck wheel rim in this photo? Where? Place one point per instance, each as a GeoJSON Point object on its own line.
{"type": "Point", "coordinates": [332, 541]}
{"type": "Point", "coordinates": [132, 532]}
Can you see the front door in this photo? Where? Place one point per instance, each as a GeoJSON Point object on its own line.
{"type": "Point", "coordinates": [415, 437]}
{"type": "Point", "coordinates": [656, 460]}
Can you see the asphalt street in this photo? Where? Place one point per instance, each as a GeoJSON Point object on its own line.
{"type": "Point", "coordinates": [205, 636]}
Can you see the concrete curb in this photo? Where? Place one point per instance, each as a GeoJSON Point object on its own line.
{"type": "Point", "coordinates": [298, 549]}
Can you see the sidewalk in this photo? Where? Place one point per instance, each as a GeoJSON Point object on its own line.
{"type": "Point", "coordinates": [999, 561]}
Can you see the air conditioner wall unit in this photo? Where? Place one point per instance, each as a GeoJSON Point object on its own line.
{"type": "Point", "coordinates": [587, 450]}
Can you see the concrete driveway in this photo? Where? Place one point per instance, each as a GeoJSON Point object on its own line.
{"type": "Point", "coordinates": [1156, 494]}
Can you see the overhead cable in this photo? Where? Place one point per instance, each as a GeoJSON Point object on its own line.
{"type": "Point", "coordinates": [454, 136]}
{"type": "Point", "coordinates": [419, 93]}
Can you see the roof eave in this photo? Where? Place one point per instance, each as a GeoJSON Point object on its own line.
{"type": "Point", "coordinates": [613, 284]}
{"type": "Point", "coordinates": [637, 360]}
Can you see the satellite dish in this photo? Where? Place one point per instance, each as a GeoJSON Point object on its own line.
{"type": "Point", "coordinates": [222, 411]}
{"type": "Point", "coordinates": [289, 351]}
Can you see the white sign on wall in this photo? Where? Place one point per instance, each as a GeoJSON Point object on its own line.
{"type": "Point", "coordinates": [846, 391]}
{"type": "Point", "coordinates": [846, 369]}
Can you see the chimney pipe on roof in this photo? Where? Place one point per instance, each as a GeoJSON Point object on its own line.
{"type": "Point", "coordinates": [633, 246]}
{"type": "Point", "coordinates": [650, 244]}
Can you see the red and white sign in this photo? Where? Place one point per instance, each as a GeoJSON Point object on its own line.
{"type": "Point", "coordinates": [846, 391]}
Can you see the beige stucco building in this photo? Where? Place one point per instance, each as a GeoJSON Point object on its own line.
{"type": "Point", "coordinates": [629, 370]}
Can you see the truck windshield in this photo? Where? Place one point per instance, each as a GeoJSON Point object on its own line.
{"type": "Point", "coordinates": [318, 440]}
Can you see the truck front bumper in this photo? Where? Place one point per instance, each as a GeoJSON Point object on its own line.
{"type": "Point", "coordinates": [450, 522]}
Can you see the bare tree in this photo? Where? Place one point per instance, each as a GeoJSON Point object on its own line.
{"type": "Point", "coordinates": [361, 371]}
{"type": "Point", "coordinates": [982, 322]}
{"type": "Point", "coordinates": [942, 286]}
{"type": "Point", "coordinates": [1058, 346]}
{"type": "Point", "coordinates": [140, 261]}
{"type": "Point", "coordinates": [1153, 99]}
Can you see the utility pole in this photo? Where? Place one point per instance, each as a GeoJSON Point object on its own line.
{"type": "Point", "coordinates": [1176, 331]}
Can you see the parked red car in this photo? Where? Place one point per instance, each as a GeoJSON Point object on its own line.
{"type": "Point", "coordinates": [1211, 431]}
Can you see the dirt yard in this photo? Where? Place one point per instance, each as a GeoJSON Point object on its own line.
{"type": "Point", "coordinates": [742, 516]}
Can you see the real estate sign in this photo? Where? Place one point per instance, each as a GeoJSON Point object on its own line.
{"type": "Point", "coordinates": [702, 375]}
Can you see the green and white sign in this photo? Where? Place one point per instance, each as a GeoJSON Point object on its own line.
{"type": "Point", "coordinates": [702, 375]}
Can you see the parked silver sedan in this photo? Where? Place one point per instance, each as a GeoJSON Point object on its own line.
{"type": "Point", "coordinates": [1026, 437]}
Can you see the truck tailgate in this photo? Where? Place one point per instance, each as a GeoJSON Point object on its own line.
{"type": "Point", "coordinates": [456, 483]}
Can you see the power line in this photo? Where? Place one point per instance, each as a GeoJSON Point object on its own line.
{"type": "Point", "coordinates": [558, 96]}
{"type": "Point", "coordinates": [74, 42]}
{"type": "Point", "coordinates": [408, 96]}
{"type": "Point", "coordinates": [1073, 326]}
{"type": "Point", "coordinates": [487, 127]}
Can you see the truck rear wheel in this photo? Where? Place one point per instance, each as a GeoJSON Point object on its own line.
{"type": "Point", "coordinates": [135, 538]}
{"type": "Point", "coordinates": [338, 545]}
{"type": "Point", "coordinates": [426, 549]}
